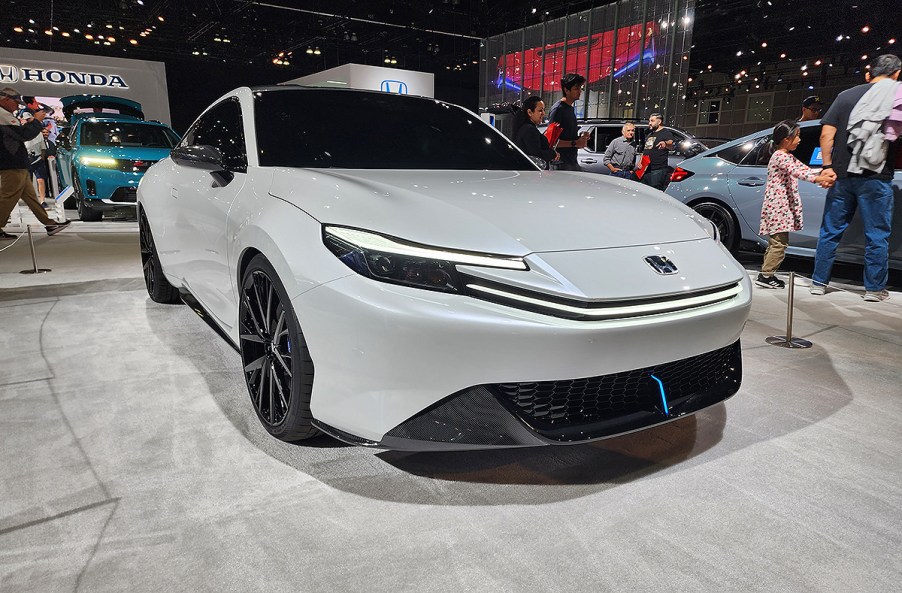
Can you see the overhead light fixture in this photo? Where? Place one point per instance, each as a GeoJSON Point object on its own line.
{"type": "Point", "coordinates": [317, 52]}
{"type": "Point", "coordinates": [133, 41]}
{"type": "Point", "coordinates": [89, 37]}
{"type": "Point", "coordinates": [65, 34]}
{"type": "Point", "coordinates": [394, 61]}
{"type": "Point", "coordinates": [20, 29]}
{"type": "Point", "coordinates": [160, 18]}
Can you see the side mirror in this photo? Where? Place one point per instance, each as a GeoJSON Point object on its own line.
{"type": "Point", "coordinates": [63, 142]}
{"type": "Point", "coordinates": [203, 156]}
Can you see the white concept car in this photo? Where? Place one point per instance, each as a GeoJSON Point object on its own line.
{"type": "Point", "coordinates": [394, 272]}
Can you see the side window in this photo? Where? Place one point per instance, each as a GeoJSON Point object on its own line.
{"type": "Point", "coordinates": [809, 150]}
{"type": "Point", "coordinates": [736, 154]}
{"type": "Point", "coordinates": [222, 128]}
{"type": "Point", "coordinates": [602, 135]}
{"type": "Point", "coordinates": [760, 155]}
{"type": "Point", "coordinates": [680, 142]}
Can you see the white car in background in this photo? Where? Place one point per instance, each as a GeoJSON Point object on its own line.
{"type": "Point", "coordinates": [403, 276]}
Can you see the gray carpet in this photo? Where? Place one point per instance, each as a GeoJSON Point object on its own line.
{"type": "Point", "coordinates": [131, 461]}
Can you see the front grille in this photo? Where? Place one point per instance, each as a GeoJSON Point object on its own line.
{"type": "Point", "coordinates": [134, 166]}
{"type": "Point", "coordinates": [554, 405]}
{"type": "Point", "coordinates": [125, 194]}
{"type": "Point", "coordinates": [568, 308]}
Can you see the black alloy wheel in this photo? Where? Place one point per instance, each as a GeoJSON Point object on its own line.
{"type": "Point", "coordinates": [159, 289]}
{"type": "Point", "coordinates": [278, 370]}
{"type": "Point", "coordinates": [723, 220]}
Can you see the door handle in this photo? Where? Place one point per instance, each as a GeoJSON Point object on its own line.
{"type": "Point", "coordinates": [588, 161]}
{"type": "Point", "coordinates": [174, 192]}
{"type": "Point", "coordinates": [752, 182]}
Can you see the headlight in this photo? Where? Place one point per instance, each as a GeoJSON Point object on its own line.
{"type": "Point", "coordinates": [399, 262]}
{"type": "Point", "coordinates": [98, 161]}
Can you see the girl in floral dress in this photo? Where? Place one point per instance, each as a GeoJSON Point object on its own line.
{"type": "Point", "coordinates": [781, 211]}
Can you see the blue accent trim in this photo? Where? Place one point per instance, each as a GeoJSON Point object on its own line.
{"type": "Point", "coordinates": [502, 81]}
{"type": "Point", "coordinates": [648, 56]}
{"type": "Point", "coordinates": [663, 395]}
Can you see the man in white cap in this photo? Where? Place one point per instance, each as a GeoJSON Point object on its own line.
{"type": "Point", "coordinates": [15, 181]}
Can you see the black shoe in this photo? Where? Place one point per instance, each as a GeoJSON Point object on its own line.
{"type": "Point", "coordinates": [45, 205]}
{"type": "Point", "coordinates": [769, 282]}
{"type": "Point", "coordinates": [53, 229]}
{"type": "Point", "coordinates": [5, 235]}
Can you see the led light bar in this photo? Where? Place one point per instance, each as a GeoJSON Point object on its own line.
{"type": "Point", "coordinates": [376, 242]}
{"type": "Point", "coordinates": [616, 312]}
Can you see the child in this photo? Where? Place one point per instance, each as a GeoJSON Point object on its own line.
{"type": "Point", "coordinates": [781, 211]}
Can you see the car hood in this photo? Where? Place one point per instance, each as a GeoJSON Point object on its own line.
{"type": "Point", "coordinates": [505, 212]}
{"type": "Point", "coordinates": [125, 152]}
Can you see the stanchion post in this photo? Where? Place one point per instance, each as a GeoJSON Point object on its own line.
{"type": "Point", "coordinates": [788, 341]}
{"type": "Point", "coordinates": [34, 258]}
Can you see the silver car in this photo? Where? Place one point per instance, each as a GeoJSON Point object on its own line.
{"type": "Point", "coordinates": [602, 132]}
{"type": "Point", "coordinates": [726, 185]}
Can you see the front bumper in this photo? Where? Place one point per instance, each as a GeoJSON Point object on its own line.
{"type": "Point", "coordinates": [410, 369]}
{"type": "Point", "coordinates": [106, 189]}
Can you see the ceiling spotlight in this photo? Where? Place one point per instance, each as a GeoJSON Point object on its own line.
{"type": "Point", "coordinates": [783, 56]}
{"type": "Point", "coordinates": [48, 32]}
{"type": "Point", "coordinates": [864, 57]}
{"type": "Point", "coordinates": [309, 50]}
{"type": "Point", "coordinates": [818, 63]}
{"type": "Point", "coordinates": [133, 41]}
{"type": "Point", "coordinates": [865, 29]}
{"type": "Point", "coordinates": [387, 60]}
{"type": "Point", "coordinates": [317, 52]}
{"type": "Point", "coordinates": [65, 34]}
{"type": "Point", "coordinates": [20, 29]}
{"type": "Point", "coordinates": [111, 39]}
{"type": "Point", "coordinates": [394, 61]}
{"type": "Point", "coordinates": [109, 26]}
{"type": "Point", "coordinates": [195, 53]}
{"type": "Point", "coordinates": [764, 44]}
{"type": "Point", "coordinates": [892, 41]}
{"type": "Point", "coordinates": [89, 37]}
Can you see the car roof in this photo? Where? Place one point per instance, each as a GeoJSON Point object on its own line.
{"type": "Point", "coordinates": [747, 137]}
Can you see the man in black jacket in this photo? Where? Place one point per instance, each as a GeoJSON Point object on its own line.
{"type": "Point", "coordinates": [15, 182]}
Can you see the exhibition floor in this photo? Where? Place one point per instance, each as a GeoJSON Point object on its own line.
{"type": "Point", "coordinates": [131, 460]}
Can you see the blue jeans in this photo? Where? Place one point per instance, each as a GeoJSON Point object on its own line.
{"type": "Point", "coordinates": [624, 175]}
{"type": "Point", "coordinates": [874, 198]}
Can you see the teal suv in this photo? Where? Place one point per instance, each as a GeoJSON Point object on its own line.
{"type": "Point", "coordinates": [108, 149]}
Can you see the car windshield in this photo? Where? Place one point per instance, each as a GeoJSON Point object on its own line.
{"type": "Point", "coordinates": [370, 130]}
{"type": "Point", "coordinates": [127, 134]}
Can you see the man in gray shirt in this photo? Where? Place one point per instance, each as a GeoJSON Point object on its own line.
{"type": "Point", "coordinates": [620, 156]}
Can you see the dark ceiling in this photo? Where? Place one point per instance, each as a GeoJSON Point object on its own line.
{"type": "Point", "coordinates": [429, 35]}
{"type": "Point", "coordinates": [245, 42]}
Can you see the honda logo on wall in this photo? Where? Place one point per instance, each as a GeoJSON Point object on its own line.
{"type": "Point", "coordinates": [394, 86]}
{"type": "Point", "coordinates": [8, 74]}
{"type": "Point", "coordinates": [661, 264]}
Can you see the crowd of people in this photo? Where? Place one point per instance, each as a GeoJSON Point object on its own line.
{"type": "Point", "coordinates": [859, 148]}
{"type": "Point", "coordinates": [25, 141]}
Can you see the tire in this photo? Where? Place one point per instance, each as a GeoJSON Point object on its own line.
{"type": "Point", "coordinates": [158, 288]}
{"type": "Point", "coordinates": [278, 370]}
{"type": "Point", "coordinates": [723, 219]}
{"type": "Point", "coordinates": [85, 213]}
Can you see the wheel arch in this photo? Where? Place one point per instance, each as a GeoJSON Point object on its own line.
{"type": "Point", "coordinates": [737, 223]}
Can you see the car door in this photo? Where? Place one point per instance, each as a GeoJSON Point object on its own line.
{"type": "Point", "coordinates": [65, 147]}
{"type": "Point", "coordinates": [202, 200]}
{"type": "Point", "coordinates": [590, 158]}
{"type": "Point", "coordinates": [747, 181]}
